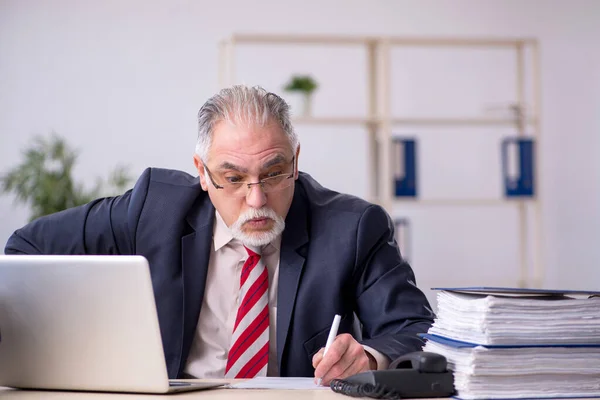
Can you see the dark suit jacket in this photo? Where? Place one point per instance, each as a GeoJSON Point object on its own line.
{"type": "Point", "coordinates": [338, 255]}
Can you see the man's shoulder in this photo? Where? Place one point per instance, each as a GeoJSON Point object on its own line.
{"type": "Point", "coordinates": [172, 177]}
{"type": "Point", "coordinates": [322, 199]}
{"type": "Point", "coordinates": [167, 185]}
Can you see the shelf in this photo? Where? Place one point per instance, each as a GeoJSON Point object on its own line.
{"type": "Point", "coordinates": [409, 121]}
{"type": "Point", "coordinates": [459, 121]}
{"type": "Point", "coordinates": [461, 202]}
{"type": "Point", "coordinates": [382, 120]}
{"type": "Point", "coordinates": [393, 40]}
{"type": "Point", "coordinates": [460, 42]}
{"type": "Point", "coordinates": [302, 39]}
{"type": "Point", "coordinates": [334, 120]}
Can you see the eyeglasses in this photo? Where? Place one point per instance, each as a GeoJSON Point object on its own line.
{"type": "Point", "coordinates": [235, 186]}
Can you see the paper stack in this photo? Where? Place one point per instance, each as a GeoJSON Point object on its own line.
{"type": "Point", "coordinates": [519, 343]}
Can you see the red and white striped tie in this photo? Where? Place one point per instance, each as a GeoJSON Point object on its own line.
{"type": "Point", "coordinates": [249, 353]}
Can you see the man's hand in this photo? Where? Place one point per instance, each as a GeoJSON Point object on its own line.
{"type": "Point", "coordinates": [344, 358]}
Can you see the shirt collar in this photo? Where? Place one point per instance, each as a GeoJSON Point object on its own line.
{"type": "Point", "coordinates": [221, 233]}
{"type": "Point", "coordinates": [222, 236]}
{"type": "Point", "coordinates": [272, 247]}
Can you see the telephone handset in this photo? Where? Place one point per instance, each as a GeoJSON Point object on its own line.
{"type": "Point", "coordinates": [422, 361]}
{"type": "Point", "coordinates": [417, 374]}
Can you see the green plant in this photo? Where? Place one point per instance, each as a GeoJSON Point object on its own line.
{"type": "Point", "coordinates": [301, 83]}
{"type": "Point", "coordinates": [44, 179]}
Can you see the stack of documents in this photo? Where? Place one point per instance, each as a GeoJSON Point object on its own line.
{"type": "Point", "coordinates": [509, 343]}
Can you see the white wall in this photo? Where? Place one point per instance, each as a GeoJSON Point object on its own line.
{"type": "Point", "coordinates": [123, 80]}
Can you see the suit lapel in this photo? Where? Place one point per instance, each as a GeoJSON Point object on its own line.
{"type": "Point", "coordinates": [195, 256]}
{"type": "Point", "coordinates": [291, 263]}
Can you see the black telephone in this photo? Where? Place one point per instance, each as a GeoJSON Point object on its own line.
{"type": "Point", "coordinates": [414, 375]}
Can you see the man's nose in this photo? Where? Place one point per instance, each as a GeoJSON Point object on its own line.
{"type": "Point", "coordinates": [256, 197]}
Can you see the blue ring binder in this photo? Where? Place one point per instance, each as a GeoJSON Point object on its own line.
{"type": "Point", "coordinates": [405, 171]}
{"type": "Point", "coordinates": [519, 178]}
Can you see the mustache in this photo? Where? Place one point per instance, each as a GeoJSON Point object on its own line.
{"type": "Point", "coordinates": [254, 213]}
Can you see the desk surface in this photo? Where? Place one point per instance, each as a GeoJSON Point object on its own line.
{"type": "Point", "coordinates": [211, 394]}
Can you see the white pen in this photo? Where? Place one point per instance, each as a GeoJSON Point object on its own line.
{"type": "Point", "coordinates": [332, 334]}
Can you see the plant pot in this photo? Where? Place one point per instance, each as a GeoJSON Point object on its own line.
{"type": "Point", "coordinates": [300, 104]}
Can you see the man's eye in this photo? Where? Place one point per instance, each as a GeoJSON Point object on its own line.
{"type": "Point", "coordinates": [233, 179]}
{"type": "Point", "coordinates": [273, 174]}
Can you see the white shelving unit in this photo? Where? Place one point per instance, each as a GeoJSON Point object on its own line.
{"type": "Point", "coordinates": [379, 121]}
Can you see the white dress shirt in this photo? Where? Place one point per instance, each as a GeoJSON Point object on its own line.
{"type": "Point", "coordinates": [210, 346]}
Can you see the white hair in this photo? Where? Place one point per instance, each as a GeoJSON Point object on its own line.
{"type": "Point", "coordinates": [241, 104]}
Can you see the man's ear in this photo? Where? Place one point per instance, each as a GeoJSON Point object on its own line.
{"type": "Point", "coordinates": [296, 161]}
{"type": "Point", "coordinates": [201, 171]}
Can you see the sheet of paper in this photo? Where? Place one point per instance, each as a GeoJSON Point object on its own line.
{"type": "Point", "coordinates": [278, 383]}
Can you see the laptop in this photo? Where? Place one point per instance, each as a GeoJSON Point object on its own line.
{"type": "Point", "coordinates": [86, 323]}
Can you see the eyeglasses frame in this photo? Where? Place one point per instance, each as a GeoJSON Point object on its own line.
{"type": "Point", "coordinates": [250, 184]}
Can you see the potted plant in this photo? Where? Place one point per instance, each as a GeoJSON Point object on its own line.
{"type": "Point", "coordinates": [304, 85]}
{"type": "Point", "coordinates": [44, 179]}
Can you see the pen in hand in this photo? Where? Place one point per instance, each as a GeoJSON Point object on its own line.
{"type": "Point", "coordinates": [332, 334]}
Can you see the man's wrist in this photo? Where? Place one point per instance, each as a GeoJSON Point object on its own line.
{"type": "Point", "coordinates": [377, 360]}
{"type": "Point", "coordinates": [372, 361]}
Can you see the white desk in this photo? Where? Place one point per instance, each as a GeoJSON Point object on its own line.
{"type": "Point", "coordinates": [211, 394]}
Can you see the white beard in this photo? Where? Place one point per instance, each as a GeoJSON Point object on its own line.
{"type": "Point", "coordinates": [257, 239]}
